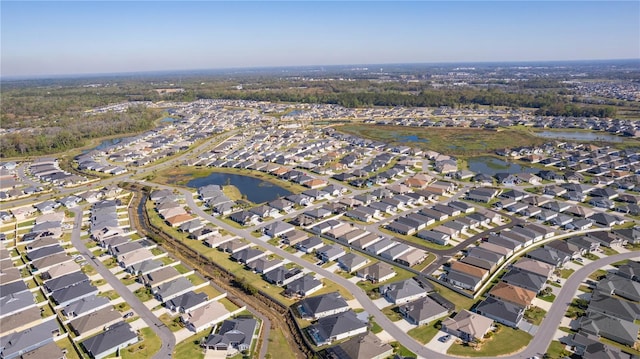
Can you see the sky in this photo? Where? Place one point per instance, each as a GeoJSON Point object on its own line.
{"type": "Point", "coordinates": [86, 37]}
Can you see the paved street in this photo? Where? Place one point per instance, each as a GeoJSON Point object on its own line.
{"type": "Point", "coordinates": [166, 336]}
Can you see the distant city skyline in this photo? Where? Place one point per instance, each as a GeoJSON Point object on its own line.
{"type": "Point", "coordinates": [60, 38]}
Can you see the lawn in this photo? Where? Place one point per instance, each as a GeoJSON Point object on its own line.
{"type": "Point", "coordinates": [145, 348]}
{"type": "Point", "coordinates": [278, 347]}
{"type": "Point", "coordinates": [402, 350]}
{"type": "Point", "coordinates": [565, 273]}
{"type": "Point", "coordinates": [459, 300]}
{"type": "Point", "coordinates": [123, 307]}
{"type": "Point", "coordinates": [66, 344]}
{"type": "Point", "coordinates": [190, 347]}
{"type": "Point", "coordinates": [505, 341]}
{"type": "Point", "coordinates": [608, 251]}
{"type": "Point", "coordinates": [548, 298]}
{"type": "Point", "coordinates": [392, 313]}
{"type": "Point", "coordinates": [111, 294]}
{"type": "Point", "coordinates": [425, 333]}
{"type": "Point", "coordinates": [557, 350]}
{"type": "Point", "coordinates": [534, 315]}
{"type": "Point", "coordinates": [453, 141]}
{"type": "Point", "coordinates": [597, 275]}
{"type": "Point", "coordinates": [144, 294]}
{"type": "Point", "coordinates": [375, 327]}
{"type": "Point", "coordinates": [172, 323]}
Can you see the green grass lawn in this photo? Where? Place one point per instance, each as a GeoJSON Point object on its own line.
{"type": "Point", "coordinates": [123, 307]}
{"type": "Point", "coordinates": [505, 341]}
{"type": "Point", "coordinates": [65, 344]}
{"type": "Point", "coordinates": [173, 323]}
{"type": "Point", "coordinates": [557, 350]}
{"type": "Point", "coordinates": [460, 301]}
{"type": "Point", "coordinates": [535, 315]}
{"type": "Point", "coordinates": [181, 268]}
{"type": "Point", "coordinates": [278, 347]}
{"type": "Point", "coordinates": [608, 251]}
{"type": "Point", "coordinates": [548, 298]}
{"type": "Point", "coordinates": [402, 350]}
{"type": "Point", "coordinates": [209, 290]}
{"type": "Point", "coordinates": [111, 294]}
{"type": "Point", "coordinates": [565, 273]}
{"type": "Point", "coordinates": [392, 313]}
{"type": "Point", "coordinates": [190, 347]}
{"type": "Point", "coordinates": [425, 333]}
{"type": "Point", "coordinates": [145, 348]}
{"type": "Point", "coordinates": [597, 274]}
{"type": "Point", "coordinates": [88, 270]}
{"type": "Point", "coordinates": [144, 294]}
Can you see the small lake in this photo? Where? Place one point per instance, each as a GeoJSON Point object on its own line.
{"type": "Point", "coordinates": [411, 138]}
{"type": "Point", "coordinates": [106, 144]}
{"type": "Point", "coordinates": [491, 165]}
{"type": "Point", "coordinates": [168, 120]}
{"type": "Point", "coordinates": [579, 136]}
{"type": "Point", "coordinates": [256, 190]}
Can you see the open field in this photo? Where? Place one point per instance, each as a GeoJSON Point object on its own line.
{"type": "Point", "coordinates": [505, 341]}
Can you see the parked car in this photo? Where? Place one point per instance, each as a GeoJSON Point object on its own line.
{"type": "Point", "coordinates": [128, 315]}
{"type": "Point", "coordinates": [444, 338]}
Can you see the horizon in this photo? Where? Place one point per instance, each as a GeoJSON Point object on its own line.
{"type": "Point", "coordinates": [58, 38]}
{"type": "Point", "coordinates": [228, 70]}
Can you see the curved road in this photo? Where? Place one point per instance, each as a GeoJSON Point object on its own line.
{"type": "Point", "coordinates": [166, 336]}
{"type": "Point", "coordinates": [537, 346]}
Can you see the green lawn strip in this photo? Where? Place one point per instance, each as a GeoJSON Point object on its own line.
{"type": "Point", "coordinates": [65, 344]}
{"type": "Point", "coordinates": [196, 279]}
{"type": "Point", "coordinates": [111, 294]}
{"type": "Point", "coordinates": [375, 327]}
{"type": "Point", "coordinates": [228, 305]}
{"type": "Point", "coordinates": [566, 272]}
{"type": "Point", "coordinates": [143, 293]}
{"type": "Point", "coordinates": [597, 275]}
{"type": "Point", "coordinates": [402, 350]}
{"type": "Point", "coordinates": [505, 341]}
{"type": "Point", "coordinates": [122, 307]}
{"type": "Point", "coordinates": [392, 313]}
{"type": "Point", "coordinates": [535, 315]}
{"type": "Point", "coordinates": [623, 347]}
{"type": "Point", "coordinates": [460, 301]}
{"type": "Point", "coordinates": [556, 350]}
{"type": "Point", "coordinates": [146, 348]}
{"type": "Point", "coordinates": [548, 298]}
{"type": "Point", "coordinates": [209, 290]}
{"type": "Point", "coordinates": [278, 347]}
{"type": "Point", "coordinates": [425, 333]}
{"type": "Point", "coordinates": [430, 258]}
{"type": "Point", "coordinates": [173, 323]}
{"type": "Point", "coordinates": [608, 251]}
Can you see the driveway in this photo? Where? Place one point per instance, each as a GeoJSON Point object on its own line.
{"type": "Point", "coordinates": [438, 346]}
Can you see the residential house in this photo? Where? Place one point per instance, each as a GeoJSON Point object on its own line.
{"type": "Point", "coordinates": [116, 337]}
{"type": "Point", "coordinates": [503, 312]}
{"type": "Point", "coordinates": [322, 306]}
{"type": "Point", "coordinates": [336, 327]}
{"type": "Point", "coordinates": [377, 272]}
{"type": "Point", "coordinates": [467, 325]}
{"type": "Point", "coordinates": [403, 292]}
{"type": "Point", "coordinates": [422, 311]}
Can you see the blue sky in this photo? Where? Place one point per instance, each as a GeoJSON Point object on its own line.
{"type": "Point", "coordinates": [75, 37]}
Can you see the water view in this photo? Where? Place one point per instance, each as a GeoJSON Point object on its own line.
{"type": "Point", "coordinates": [579, 136]}
{"type": "Point", "coordinates": [491, 165]}
{"type": "Point", "coordinates": [256, 190]}
{"type": "Point", "coordinates": [411, 138]}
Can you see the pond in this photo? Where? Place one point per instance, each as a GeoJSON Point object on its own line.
{"type": "Point", "coordinates": [410, 138]}
{"type": "Point", "coordinates": [491, 165]}
{"type": "Point", "coordinates": [579, 136]}
{"type": "Point", "coordinates": [256, 190]}
{"type": "Point", "coordinates": [104, 144]}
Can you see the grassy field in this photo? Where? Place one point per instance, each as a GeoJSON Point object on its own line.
{"type": "Point", "coordinates": [556, 350]}
{"type": "Point", "coordinates": [145, 348]}
{"type": "Point", "coordinates": [278, 347]}
{"type": "Point", "coordinates": [190, 347]}
{"type": "Point", "coordinates": [505, 341]}
{"type": "Point", "coordinates": [459, 300]}
{"type": "Point", "coordinates": [425, 333]}
{"type": "Point", "coordinates": [455, 141]}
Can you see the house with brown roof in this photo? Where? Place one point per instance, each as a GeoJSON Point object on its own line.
{"type": "Point", "coordinates": [512, 294]}
{"type": "Point", "coordinates": [179, 219]}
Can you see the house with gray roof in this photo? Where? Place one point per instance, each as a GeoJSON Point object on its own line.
{"type": "Point", "coordinates": [282, 276]}
{"type": "Point", "coordinates": [381, 246]}
{"type": "Point", "coordinates": [351, 262]}
{"type": "Point", "coordinates": [264, 265]}
{"type": "Point", "coordinates": [15, 303]}
{"type": "Point", "coordinates": [64, 281]}
{"type": "Point", "coordinates": [170, 290]}
{"type": "Point", "coordinates": [310, 244]}
{"type": "Point", "coordinates": [506, 313]}
{"type": "Point", "coordinates": [116, 337]}
{"type": "Point", "coordinates": [303, 286]}
{"type": "Point", "coordinates": [16, 344]}
{"type": "Point", "coordinates": [604, 303]}
{"type": "Point", "coordinates": [549, 256]}
{"type": "Point", "coordinates": [233, 334]}
{"type": "Point", "coordinates": [85, 305]}
{"type": "Point", "coordinates": [620, 331]}
{"type": "Point", "coordinates": [144, 267]}
{"type": "Point", "coordinates": [93, 321]}
{"type": "Point", "coordinates": [525, 280]}
{"type": "Point", "coordinates": [617, 285]}
{"type": "Point", "coordinates": [322, 306]}
{"type": "Point", "coordinates": [187, 302]}
{"type": "Point", "coordinates": [422, 311]}
{"type": "Point", "coordinates": [336, 327]}
{"type": "Point", "coordinates": [330, 252]}
{"type": "Point", "coordinates": [463, 280]}
{"type": "Point", "coordinates": [366, 346]}
{"type": "Point", "coordinates": [467, 325]}
{"type": "Point", "coordinates": [72, 293]}
{"type": "Point", "coordinates": [630, 270]}
{"type": "Point", "coordinates": [403, 292]}
{"type": "Point", "coordinates": [377, 272]}
{"type": "Point", "coordinates": [277, 229]}
{"type": "Point", "coordinates": [247, 255]}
